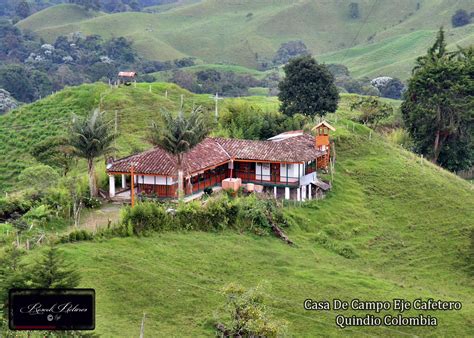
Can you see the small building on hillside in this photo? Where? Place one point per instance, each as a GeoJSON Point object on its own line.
{"type": "Point", "coordinates": [126, 78]}
{"type": "Point", "coordinates": [285, 164]}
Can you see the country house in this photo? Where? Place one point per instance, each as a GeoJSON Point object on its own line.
{"type": "Point", "coordinates": [285, 163]}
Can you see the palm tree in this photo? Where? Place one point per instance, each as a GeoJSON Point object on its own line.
{"type": "Point", "coordinates": [90, 138]}
{"type": "Point", "coordinates": [178, 135]}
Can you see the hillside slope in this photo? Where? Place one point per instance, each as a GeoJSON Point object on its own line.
{"type": "Point", "coordinates": [21, 129]}
{"type": "Point", "coordinates": [244, 33]}
{"type": "Point", "coordinates": [58, 15]}
{"type": "Point", "coordinates": [403, 223]}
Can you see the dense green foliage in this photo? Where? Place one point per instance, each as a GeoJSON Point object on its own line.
{"type": "Point", "coordinates": [213, 81]}
{"type": "Point", "coordinates": [219, 213]}
{"type": "Point", "coordinates": [290, 50]}
{"type": "Point", "coordinates": [308, 88]}
{"type": "Point", "coordinates": [55, 152]}
{"type": "Point", "coordinates": [248, 121]}
{"type": "Point", "coordinates": [438, 106]}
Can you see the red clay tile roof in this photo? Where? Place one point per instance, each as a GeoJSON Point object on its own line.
{"type": "Point", "coordinates": [294, 149]}
{"type": "Point", "coordinates": [206, 154]}
{"type": "Point", "coordinates": [215, 151]}
{"type": "Point", "coordinates": [153, 161]}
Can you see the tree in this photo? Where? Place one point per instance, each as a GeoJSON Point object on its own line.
{"type": "Point", "coordinates": [393, 89]}
{"type": "Point", "coordinates": [289, 50]}
{"type": "Point", "coordinates": [15, 79]}
{"type": "Point", "coordinates": [39, 177]}
{"type": "Point", "coordinates": [372, 109]}
{"type": "Point", "coordinates": [120, 49]}
{"type": "Point", "coordinates": [11, 275]}
{"type": "Point", "coordinates": [354, 10]}
{"type": "Point", "coordinates": [52, 271]}
{"type": "Point", "coordinates": [55, 152]}
{"type": "Point", "coordinates": [249, 317]}
{"type": "Point", "coordinates": [460, 18]}
{"type": "Point", "coordinates": [91, 137]}
{"type": "Point", "coordinates": [438, 106]}
{"type": "Point", "coordinates": [435, 53]}
{"type": "Point", "coordinates": [308, 88]}
{"type": "Point", "coordinates": [23, 9]}
{"type": "Point", "coordinates": [178, 135]}
{"type": "Point", "coordinates": [87, 4]}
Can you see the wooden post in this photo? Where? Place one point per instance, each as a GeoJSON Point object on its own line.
{"type": "Point", "coordinates": [166, 94]}
{"type": "Point", "coordinates": [132, 191]}
{"type": "Point", "coordinates": [142, 328]}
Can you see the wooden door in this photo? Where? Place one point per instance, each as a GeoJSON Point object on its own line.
{"type": "Point", "coordinates": [275, 172]}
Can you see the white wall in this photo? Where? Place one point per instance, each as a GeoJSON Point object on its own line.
{"type": "Point", "coordinates": [160, 180]}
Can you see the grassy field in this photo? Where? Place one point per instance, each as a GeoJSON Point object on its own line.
{"type": "Point", "coordinates": [404, 222]}
{"type": "Point", "coordinates": [246, 33]}
{"type": "Point", "coordinates": [59, 15]}
{"type": "Point", "coordinates": [396, 55]}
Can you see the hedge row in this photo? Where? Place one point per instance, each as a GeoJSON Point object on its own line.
{"type": "Point", "coordinates": [217, 214]}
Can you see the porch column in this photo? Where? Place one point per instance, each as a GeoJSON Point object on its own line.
{"type": "Point", "coordinates": [287, 193]}
{"type": "Point", "coordinates": [124, 182]}
{"type": "Point", "coordinates": [275, 192]}
{"type": "Point", "coordinates": [309, 192]}
{"type": "Point", "coordinates": [303, 192]}
{"type": "Point", "coordinates": [111, 185]}
{"type": "Point", "coordinates": [298, 196]}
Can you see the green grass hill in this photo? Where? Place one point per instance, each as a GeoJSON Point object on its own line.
{"type": "Point", "coordinates": [58, 15]}
{"type": "Point", "coordinates": [242, 33]}
{"type": "Point", "coordinates": [394, 226]}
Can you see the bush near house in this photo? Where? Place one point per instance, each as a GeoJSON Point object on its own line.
{"type": "Point", "coordinates": [218, 213]}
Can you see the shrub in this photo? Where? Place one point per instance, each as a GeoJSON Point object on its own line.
{"type": "Point", "coordinates": [10, 205]}
{"type": "Point", "coordinates": [190, 216]}
{"type": "Point", "coordinates": [346, 251]}
{"type": "Point", "coordinates": [401, 137]}
{"type": "Point", "coordinates": [219, 213]}
{"type": "Point", "coordinates": [38, 215]}
{"type": "Point", "coordinates": [144, 217]}
{"type": "Point", "coordinates": [91, 202]}
{"type": "Point", "coordinates": [245, 314]}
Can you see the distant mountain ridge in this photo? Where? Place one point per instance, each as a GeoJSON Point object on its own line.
{"type": "Point", "coordinates": [384, 38]}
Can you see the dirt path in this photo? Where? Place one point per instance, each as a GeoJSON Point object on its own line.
{"type": "Point", "coordinates": [98, 218]}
